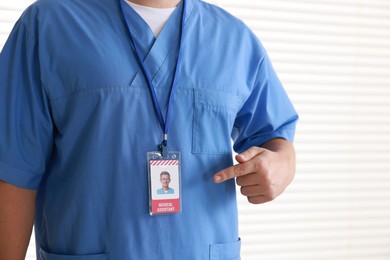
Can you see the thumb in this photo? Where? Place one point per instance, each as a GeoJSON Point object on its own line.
{"type": "Point", "coordinates": [249, 154]}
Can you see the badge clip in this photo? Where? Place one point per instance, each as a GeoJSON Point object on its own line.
{"type": "Point", "coordinates": [163, 147]}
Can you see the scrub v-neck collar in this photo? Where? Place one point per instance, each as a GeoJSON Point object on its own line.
{"type": "Point", "coordinates": [154, 51]}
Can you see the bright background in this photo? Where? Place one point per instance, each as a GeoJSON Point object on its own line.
{"type": "Point", "coordinates": [333, 57]}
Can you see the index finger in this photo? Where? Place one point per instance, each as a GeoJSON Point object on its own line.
{"type": "Point", "coordinates": [233, 172]}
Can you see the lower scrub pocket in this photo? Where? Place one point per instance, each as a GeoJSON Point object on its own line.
{"type": "Point", "coordinates": [227, 251]}
{"type": "Point", "coordinates": [50, 256]}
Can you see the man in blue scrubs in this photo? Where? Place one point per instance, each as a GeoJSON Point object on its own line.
{"type": "Point", "coordinates": [89, 87]}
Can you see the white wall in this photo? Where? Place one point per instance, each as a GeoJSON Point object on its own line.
{"type": "Point", "coordinates": [333, 57]}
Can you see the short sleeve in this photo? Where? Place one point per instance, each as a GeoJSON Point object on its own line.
{"type": "Point", "coordinates": [26, 130]}
{"type": "Point", "coordinates": [267, 113]}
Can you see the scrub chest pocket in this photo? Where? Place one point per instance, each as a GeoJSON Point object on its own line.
{"type": "Point", "coordinates": [214, 116]}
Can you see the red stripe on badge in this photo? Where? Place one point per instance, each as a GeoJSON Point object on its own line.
{"type": "Point", "coordinates": [164, 162]}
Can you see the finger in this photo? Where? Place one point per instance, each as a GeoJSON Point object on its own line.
{"type": "Point", "coordinates": [249, 180]}
{"type": "Point", "coordinates": [234, 171]}
{"type": "Point", "coordinates": [249, 154]}
{"type": "Point", "coordinates": [252, 191]}
{"type": "Point", "coordinates": [259, 199]}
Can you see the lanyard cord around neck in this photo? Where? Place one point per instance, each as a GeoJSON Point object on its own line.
{"type": "Point", "coordinates": [164, 124]}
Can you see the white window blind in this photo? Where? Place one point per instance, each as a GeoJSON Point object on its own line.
{"type": "Point", "coordinates": [333, 57]}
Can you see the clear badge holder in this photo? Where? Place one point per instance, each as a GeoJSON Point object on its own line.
{"type": "Point", "coordinates": [164, 183]}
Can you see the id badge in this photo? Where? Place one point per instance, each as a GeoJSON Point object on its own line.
{"type": "Point", "coordinates": [164, 183]}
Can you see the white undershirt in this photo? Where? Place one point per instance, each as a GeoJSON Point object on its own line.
{"type": "Point", "coordinates": [156, 18]}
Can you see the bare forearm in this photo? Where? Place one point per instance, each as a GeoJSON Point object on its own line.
{"type": "Point", "coordinates": [17, 207]}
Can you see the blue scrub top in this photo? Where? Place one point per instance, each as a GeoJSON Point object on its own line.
{"type": "Point", "coordinates": [76, 122]}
